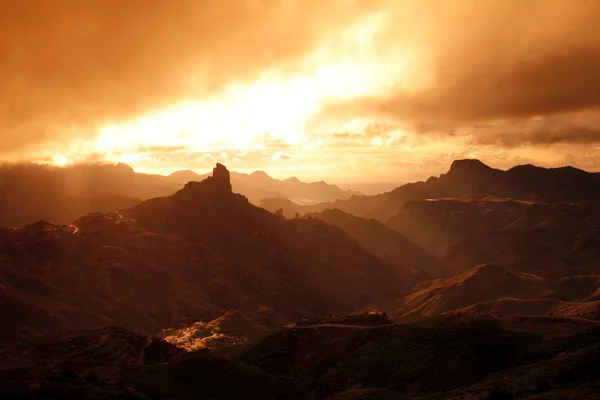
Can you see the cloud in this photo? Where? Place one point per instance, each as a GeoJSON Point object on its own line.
{"type": "Point", "coordinates": [581, 128]}
{"type": "Point", "coordinates": [268, 141]}
{"type": "Point", "coordinates": [489, 60]}
{"type": "Point", "coordinates": [280, 156]}
{"type": "Point", "coordinates": [67, 66]}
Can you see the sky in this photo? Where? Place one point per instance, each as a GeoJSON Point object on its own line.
{"type": "Point", "coordinates": [342, 90]}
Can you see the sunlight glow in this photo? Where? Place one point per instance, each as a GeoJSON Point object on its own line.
{"type": "Point", "coordinates": [60, 161]}
{"type": "Point", "coordinates": [278, 105]}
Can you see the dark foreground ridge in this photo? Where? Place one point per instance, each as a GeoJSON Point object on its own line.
{"type": "Point", "coordinates": [441, 358]}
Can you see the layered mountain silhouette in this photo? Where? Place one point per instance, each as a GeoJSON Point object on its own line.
{"type": "Point", "coordinates": [471, 177]}
{"type": "Point", "coordinates": [490, 281]}
{"type": "Point", "coordinates": [259, 185]}
{"type": "Point", "coordinates": [175, 260]}
{"type": "Point", "coordinates": [31, 192]}
{"type": "Point", "coordinates": [386, 243]}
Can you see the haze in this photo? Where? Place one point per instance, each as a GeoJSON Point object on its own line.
{"type": "Point", "coordinates": [337, 90]}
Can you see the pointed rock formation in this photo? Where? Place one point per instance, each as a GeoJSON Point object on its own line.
{"type": "Point", "coordinates": [222, 177]}
{"type": "Point", "coordinates": [219, 184]}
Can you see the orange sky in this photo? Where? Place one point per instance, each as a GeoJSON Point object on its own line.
{"type": "Point", "coordinates": [344, 90]}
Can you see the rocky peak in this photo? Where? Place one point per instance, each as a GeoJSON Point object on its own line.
{"type": "Point", "coordinates": [217, 184]}
{"type": "Point", "coordinates": [469, 169]}
{"type": "Point", "coordinates": [221, 177]}
{"type": "Point", "coordinates": [468, 165]}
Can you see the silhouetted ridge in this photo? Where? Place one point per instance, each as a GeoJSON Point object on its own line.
{"type": "Point", "coordinates": [218, 184]}
{"type": "Point", "coordinates": [469, 168]}
{"type": "Point", "coordinates": [470, 177]}
{"type": "Point", "coordinates": [471, 164]}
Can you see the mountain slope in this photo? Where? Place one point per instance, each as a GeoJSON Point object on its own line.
{"type": "Point", "coordinates": [439, 224]}
{"type": "Point", "coordinates": [536, 307]}
{"type": "Point", "coordinates": [30, 192]}
{"type": "Point", "coordinates": [382, 241]}
{"type": "Point", "coordinates": [113, 363]}
{"type": "Point", "coordinates": [210, 214]}
{"type": "Point", "coordinates": [439, 358]}
{"type": "Point", "coordinates": [172, 261]}
{"type": "Point", "coordinates": [480, 284]}
{"type": "Point", "coordinates": [557, 240]}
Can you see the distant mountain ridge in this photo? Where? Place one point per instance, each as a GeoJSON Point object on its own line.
{"type": "Point", "coordinates": [472, 177]}
{"type": "Point", "coordinates": [259, 185]}
{"type": "Point", "coordinates": [32, 192]}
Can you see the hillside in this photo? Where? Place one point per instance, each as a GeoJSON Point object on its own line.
{"type": "Point", "coordinates": [556, 240]}
{"type": "Point", "coordinates": [447, 357]}
{"type": "Point", "coordinates": [30, 192]}
{"type": "Point", "coordinates": [113, 363]}
{"type": "Point", "coordinates": [480, 284]}
{"type": "Point", "coordinates": [172, 261]}
{"type": "Point", "coordinates": [536, 307]}
{"type": "Point", "coordinates": [440, 358]}
{"type": "Point", "coordinates": [481, 357]}
{"type": "Point", "coordinates": [384, 242]}
{"type": "Point", "coordinates": [230, 333]}
{"type": "Point", "coordinates": [439, 224]}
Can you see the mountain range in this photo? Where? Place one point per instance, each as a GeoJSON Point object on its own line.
{"type": "Point", "coordinates": [172, 261]}
{"type": "Point", "coordinates": [470, 178]}
{"type": "Point", "coordinates": [258, 185]}
{"type": "Point", "coordinates": [32, 192]}
{"type": "Point", "coordinates": [495, 273]}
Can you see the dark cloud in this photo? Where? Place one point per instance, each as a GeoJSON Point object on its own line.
{"type": "Point", "coordinates": [481, 61]}
{"type": "Point", "coordinates": [66, 63]}
{"type": "Point", "coordinates": [575, 128]}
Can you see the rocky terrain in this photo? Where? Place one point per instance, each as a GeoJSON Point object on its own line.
{"type": "Point", "coordinates": [447, 357]}
{"type": "Point", "coordinates": [489, 280]}
{"type": "Point", "coordinates": [172, 261]}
